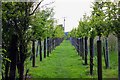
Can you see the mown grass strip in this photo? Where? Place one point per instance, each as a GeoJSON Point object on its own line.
{"type": "Point", "coordinates": [64, 62]}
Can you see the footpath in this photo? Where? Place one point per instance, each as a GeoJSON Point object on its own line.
{"type": "Point", "coordinates": [63, 62]}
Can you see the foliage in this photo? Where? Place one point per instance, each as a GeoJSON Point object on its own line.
{"type": "Point", "coordinates": [58, 32]}
{"type": "Point", "coordinates": [116, 19]}
{"type": "Point", "coordinates": [42, 23]}
{"type": "Point", "coordinates": [92, 31]}
{"type": "Point", "coordinates": [74, 33]}
{"type": "Point", "coordinates": [103, 20]}
{"type": "Point", "coordinates": [15, 21]}
{"type": "Point", "coordinates": [98, 16]}
{"type": "Point", "coordinates": [83, 27]}
{"type": "Point", "coordinates": [108, 18]}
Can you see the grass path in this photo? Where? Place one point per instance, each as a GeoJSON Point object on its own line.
{"type": "Point", "coordinates": [62, 63]}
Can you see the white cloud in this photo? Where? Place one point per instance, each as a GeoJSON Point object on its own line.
{"type": "Point", "coordinates": [72, 10]}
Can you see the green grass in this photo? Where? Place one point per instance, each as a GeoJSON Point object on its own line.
{"type": "Point", "coordinates": [0, 76]}
{"type": "Point", "coordinates": [65, 63]}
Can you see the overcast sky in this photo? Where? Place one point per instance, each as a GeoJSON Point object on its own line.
{"type": "Point", "coordinates": [72, 10]}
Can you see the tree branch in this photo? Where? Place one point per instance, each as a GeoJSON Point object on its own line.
{"type": "Point", "coordinates": [36, 7]}
{"type": "Point", "coordinates": [47, 4]}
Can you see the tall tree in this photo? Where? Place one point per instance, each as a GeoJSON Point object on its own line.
{"type": "Point", "coordinates": [16, 21]}
{"type": "Point", "coordinates": [98, 16]}
{"type": "Point", "coordinates": [92, 34]}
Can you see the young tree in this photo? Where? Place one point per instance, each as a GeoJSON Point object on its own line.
{"type": "Point", "coordinates": [116, 29]}
{"type": "Point", "coordinates": [83, 31]}
{"type": "Point", "coordinates": [98, 17]}
{"type": "Point", "coordinates": [40, 26]}
{"type": "Point", "coordinates": [92, 34]}
{"type": "Point", "coordinates": [107, 29]}
{"type": "Point", "coordinates": [15, 20]}
{"type": "Point", "coordinates": [86, 30]}
{"type": "Point", "coordinates": [58, 32]}
{"type": "Point", "coordinates": [81, 36]}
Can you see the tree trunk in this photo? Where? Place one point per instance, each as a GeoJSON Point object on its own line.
{"type": "Point", "coordinates": [13, 56]}
{"type": "Point", "coordinates": [18, 63]}
{"type": "Point", "coordinates": [45, 48]}
{"type": "Point", "coordinates": [82, 48]}
{"type": "Point", "coordinates": [3, 78]}
{"type": "Point", "coordinates": [22, 59]}
{"type": "Point", "coordinates": [53, 43]}
{"type": "Point", "coordinates": [78, 45]}
{"type": "Point", "coordinates": [23, 45]}
{"type": "Point", "coordinates": [37, 49]}
{"type": "Point", "coordinates": [7, 65]}
{"type": "Point", "coordinates": [91, 55]}
{"type": "Point", "coordinates": [21, 71]}
{"type": "Point", "coordinates": [33, 51]}
{"type": "Point", "coordinates": [40, 50]}
{"type": "Point", "coordinates": [118, 57]}
{"type": "Point", "coordinates": [86, 50]}
{"type": "Point", "coordinates": [104, 56]}
{"type": "Point", "coordinates": [99, 57]}
{"type": "Point", "coordinates": [50, 45]}
{"type": "Point", "coordinates": [107, 53]}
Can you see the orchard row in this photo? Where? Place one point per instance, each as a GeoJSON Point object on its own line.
{"type": "Point", "coordinates": [24, 23]}
{"type": "Point", "coordinates": [104, 20]}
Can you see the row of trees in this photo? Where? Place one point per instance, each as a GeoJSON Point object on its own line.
{"type": "Point", "coordinates": [104, 20]}
{"type": "Point", "coordinates": [21, 24]}
{"type": "Point", "coordinates": [43, 30]}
